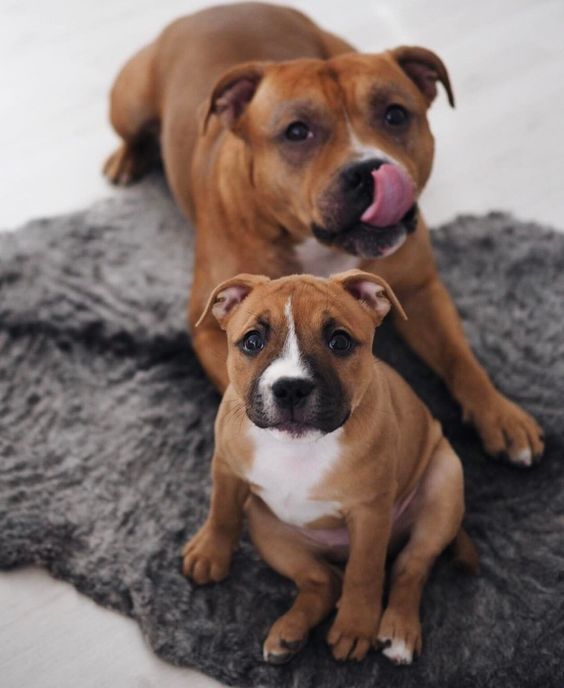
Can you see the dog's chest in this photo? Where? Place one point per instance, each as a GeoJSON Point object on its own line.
{"type": "Point", "coordinates": [323, 261]}
{"type": "Point", "coordinates": [286, 474]}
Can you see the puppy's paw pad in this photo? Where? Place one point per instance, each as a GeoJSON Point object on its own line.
{"type": "Point", "coordinates": [397, 651]}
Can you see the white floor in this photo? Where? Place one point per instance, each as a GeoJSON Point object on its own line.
{"type": "Point", "coordinates": [503, 147]}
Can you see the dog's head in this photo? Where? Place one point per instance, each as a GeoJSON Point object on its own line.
{"type": "Point", "coordinates": [300, 347]}
{"type": "Point", "coordinates": [341, 148]}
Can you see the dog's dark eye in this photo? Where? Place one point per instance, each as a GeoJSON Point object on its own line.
{"type": "Point", "coordinates": [298, 131]}
{"type": "Point", "coordinates": [340, 342]}
{"type": "Point", "coordinates": [252, 342]}
{"type": "Point", "coordinates": [396, 116]}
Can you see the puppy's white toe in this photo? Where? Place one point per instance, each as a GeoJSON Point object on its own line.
{"type": "Point", "coordinates": [398, 652]}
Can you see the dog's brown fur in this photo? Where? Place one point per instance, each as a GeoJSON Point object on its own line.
{"type": "Point", "coordinates": [390, 448]}
{"type": "Point", "coordinates": [214, 88]}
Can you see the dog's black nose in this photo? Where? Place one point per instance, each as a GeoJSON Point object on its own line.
{"type": "Point", "coordinates": [292, 392]}
{"type": "Point", "coordinates": [358, 181]}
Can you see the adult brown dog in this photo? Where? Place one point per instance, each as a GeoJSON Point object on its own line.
{"type": "Point", "coordinates": [332, 456]}
{"type": "Point", "coordinates": [293, 153]}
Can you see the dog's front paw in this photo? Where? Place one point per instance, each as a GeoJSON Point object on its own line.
{"type": "Point", "coordinates": [506, 430]}
{"type": "Point", "coordinates": [207, 556]}
{"type": "Point", "coordinates": [353, 632]}
{"type": "Point", "coordinates": [399, 637]}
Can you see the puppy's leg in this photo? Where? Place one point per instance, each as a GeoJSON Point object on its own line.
{"type": "Point", "coordinates": [318, 584]}
{"type": "Point", "coordinates": [437, 513]}
{"type": "Point", "coordinates": [134, 116]}
{"type": "Point", "coordinates": [207, 555]}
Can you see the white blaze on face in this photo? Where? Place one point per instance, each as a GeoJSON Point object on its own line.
{"type": "Point", "coordinates": [361, 151]}
{"type": "Point", "coordinates": [290, 362]}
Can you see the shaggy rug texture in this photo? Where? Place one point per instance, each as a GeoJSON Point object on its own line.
{"type": "Point", "coordinates": [106, 434]}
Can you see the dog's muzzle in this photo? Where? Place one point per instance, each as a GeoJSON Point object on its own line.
{"type": "Point", "coordinates": [370, 210]}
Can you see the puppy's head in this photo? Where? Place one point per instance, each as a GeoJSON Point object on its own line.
{"type": "Point", "coordinates": [340, 148]}
{"type": "Point", "coordinates": [300, 348]}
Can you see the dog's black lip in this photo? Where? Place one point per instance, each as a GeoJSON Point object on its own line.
{"type": "Point", "coordinates": [377, 239]}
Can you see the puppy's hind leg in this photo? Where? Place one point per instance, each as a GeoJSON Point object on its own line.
{"type": "Point", "coordinates": [133, 114]}
{"type": "Point", "coordinates": [319, 585]}
{"type": "Point", "coordinates": [437, 511]}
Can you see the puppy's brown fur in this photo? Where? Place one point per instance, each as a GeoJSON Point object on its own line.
{"type": "Point", "coordinates": [389, 452]}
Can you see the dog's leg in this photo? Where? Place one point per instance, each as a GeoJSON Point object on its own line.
{"type": "Point", "coordinates": [207, 555]}
{"type": "Point", "coordinates": [318, 584]}
{"type": "Point", "coordinates": [435, 333]}
{"type": "Point", "coordinates": [134, 117]}
{"type": "Point", "coordinates": [436, 513]}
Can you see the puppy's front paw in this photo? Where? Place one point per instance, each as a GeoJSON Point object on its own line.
{"type": "Point", "coordinates": [353, 632]}
{"type": "Point", "coordinates": [399, 637]}
{"type": "Point", "coordinates": [507, 431]}
{"type": "Point", "coordinates": [207, 556]}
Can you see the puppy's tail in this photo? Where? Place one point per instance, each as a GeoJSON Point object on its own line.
{"type": "Point", "coordinates": [465, 555]}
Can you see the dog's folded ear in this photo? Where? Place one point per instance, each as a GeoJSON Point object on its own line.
{"type": "Point", "coordinates": [225, 298]}
{"type": "Point", "coordinates": [424, 68]}
{"type": "Point", "coordinates": [232, 93]}
{"type": "Point", "coordinates": [373, 292]}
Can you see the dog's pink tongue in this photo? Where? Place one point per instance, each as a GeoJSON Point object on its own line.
{"type": "Point", "coordinates": [393, 196]}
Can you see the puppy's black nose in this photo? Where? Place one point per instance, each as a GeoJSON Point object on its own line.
{"type": "Point", "coordinates": [358, 181]}
{"type": "Point", "coordinates": [292, 392]}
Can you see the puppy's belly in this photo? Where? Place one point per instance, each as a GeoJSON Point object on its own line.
{"type": "Point", "coordinates": [338, 538]}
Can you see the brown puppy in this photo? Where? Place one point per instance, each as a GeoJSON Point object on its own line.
{"type": "Point", "coordinates": [332, 456]}
{"type": "Point", "coordinates": [292, 153]}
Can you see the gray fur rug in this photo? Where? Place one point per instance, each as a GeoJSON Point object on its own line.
{"type": "Point", "coordinates": [106, 435]}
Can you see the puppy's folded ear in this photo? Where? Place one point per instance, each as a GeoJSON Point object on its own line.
{"type": "Point", "coordinates": [225, 298]}
{"type": "Point", "coordinates": [373, 293]}
{"type": "Point", "coordinates": [424, 68]}
{"type": "Point", "coordinates": [232, 93]}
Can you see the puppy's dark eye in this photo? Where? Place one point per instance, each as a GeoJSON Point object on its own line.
{"type": "Point", "coordinates": [340, 342]}
{"type": "Point", "coordinates": [298, 131]}
{"type": "Point", "coordinates": [252, 343]}
{"type": "Point", "coordinates": [396, 116]}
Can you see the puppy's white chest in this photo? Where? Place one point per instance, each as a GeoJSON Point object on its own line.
{"type": "Point", "coordinates": [285, 473]}
{"type": "Point", "coordinates": [323, 261]}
